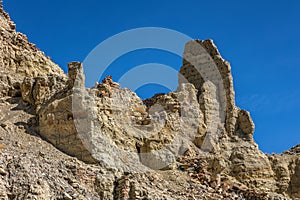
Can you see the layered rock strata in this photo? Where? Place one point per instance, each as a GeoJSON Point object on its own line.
{"type": "Point", "coordinates": [60, 140]}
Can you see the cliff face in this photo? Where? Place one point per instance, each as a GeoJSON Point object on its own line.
{"type": "Point", "coordinates": [60, 140]}
{"type": "Point", "coordinates": [20, 58]}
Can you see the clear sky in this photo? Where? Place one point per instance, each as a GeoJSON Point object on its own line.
{"type": "Point", "coordinates": [259, 38]}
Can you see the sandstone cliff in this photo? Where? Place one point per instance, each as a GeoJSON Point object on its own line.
{"type": "Point", "coordinates": [61, 140]}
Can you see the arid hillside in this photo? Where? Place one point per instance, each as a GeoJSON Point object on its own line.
{"type": "Point", "coordinates": [61, 140]}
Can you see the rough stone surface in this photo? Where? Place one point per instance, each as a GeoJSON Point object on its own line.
{"type": "Point", "coordinates": [245, 122]}
{"type": "Point", "coordinates": [40, 89]}
{"type": "Point", "coordinates": [203, 63]}
{"type": "Point", "coordinates": [20, 58]}
{"type": "Point", "coordinates": [60, 140]}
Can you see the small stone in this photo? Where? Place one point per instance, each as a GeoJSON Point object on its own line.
{"type": "Point", "coordinates": [42, 154]}
{"type": "Point", "coordinates": [2, 172]}
{"type": "Point", "coordinates": [75, 195]}
{"type": "Point", "coordinates": [75, 185]}
{"type": "Point", "coordinates": [209, 189]}
{"type": "Point", "coordinates": [147, 121]}
{"type": "Point", "coordinates": [3, 125]}
{"type": "Point", "coordinates": [2, 146]}
{"type": "Point", "coordinates": [67, 196]}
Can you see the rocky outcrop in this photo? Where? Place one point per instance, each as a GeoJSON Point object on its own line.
{"type": "Point", "coordinates": [204, 67]}
{"type": "Point", "coordinates": [105, 123]}
{"type": "Point", "coordinates": [40, 89]}
{"type": "Point", "coordinates": [56, 117]}
{"type": "Point", "coordinates": [226, 130]}
{"type": "Point", "coordinates": [20, 58]}
{"type": "Point", "coordinates": [245, 123]}
{"type": "Point", "coordinates": [60, 140]}
{"type": "Point", "coordinates": [286, 169]}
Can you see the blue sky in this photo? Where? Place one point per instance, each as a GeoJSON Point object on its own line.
{"type": "Point", "coordinates": [259, 38]}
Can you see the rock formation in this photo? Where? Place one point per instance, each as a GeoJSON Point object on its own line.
{"type": "Point", "coordinates": [20, 58]}
{"type": "Point", "coordinates": [60, 140]}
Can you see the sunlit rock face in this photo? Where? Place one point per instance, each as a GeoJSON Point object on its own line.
{"type": "Point", "coordinates": [111, 125]}
{"type": "Point", "coordinates": [61, 140]}
{"type": "Point", "coordinates": [20, 58]}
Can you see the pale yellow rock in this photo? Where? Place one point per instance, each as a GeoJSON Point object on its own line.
{"type": "Point", "coordinates": [193, 143]}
